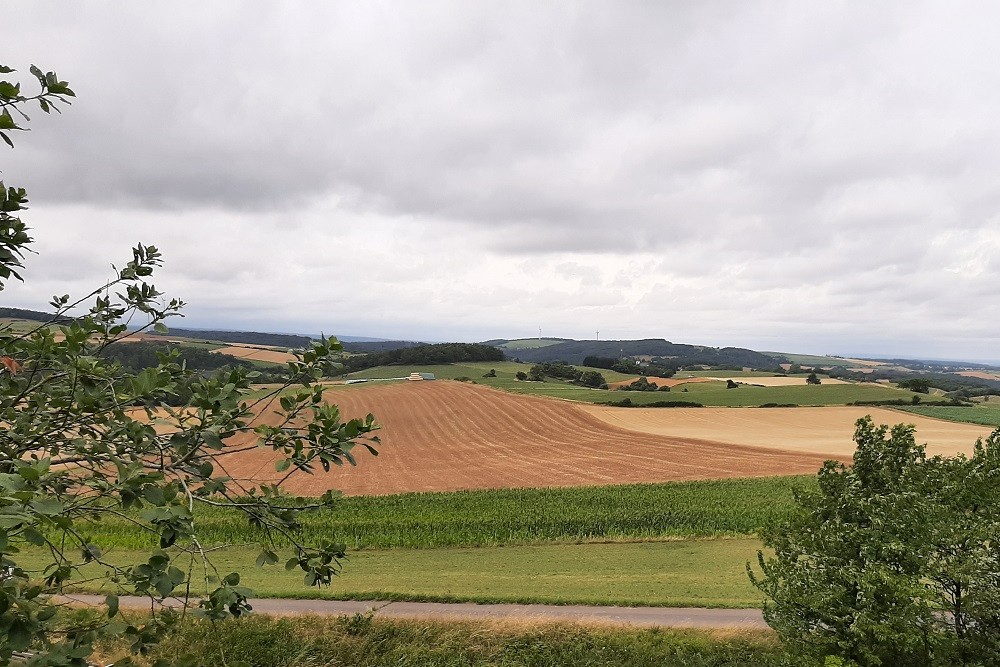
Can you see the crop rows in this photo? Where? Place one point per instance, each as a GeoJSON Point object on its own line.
{"type": "Point", "coordinates": [514, 516]}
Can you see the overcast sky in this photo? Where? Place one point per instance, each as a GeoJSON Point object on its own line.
{"type": "Point", "coordinates": [795, 176]}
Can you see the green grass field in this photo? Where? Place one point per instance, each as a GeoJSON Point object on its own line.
{"type": "Point", "coordinates": [706, 393]}
{"type": "Point", "coordinates": [812, 359]}
{"type": "Point", "coordinates": [681, 573]}
{"type": "Point", "coordinates": [987, 414]}
{"type": "Point", "coordinates": [529, 343]}
{"type": "Point", "coordinates": [512, 516]}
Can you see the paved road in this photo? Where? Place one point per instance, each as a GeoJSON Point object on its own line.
{"type": "Point", "coordinates": [667, 617]}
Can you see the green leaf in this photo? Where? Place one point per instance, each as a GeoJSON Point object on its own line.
{"type": "Point", "coordinates": [154, 495]}
{"type": "Point", "coordinates": [160, 327]}
{"type": "Point", "coordinates": [32, 536]}
{"type": "Point", "coordinates": [47, 506]}
{"type": "Point", "coordinates": [7, 121]}
{"type": "Point", "coordinates": [112, 602]}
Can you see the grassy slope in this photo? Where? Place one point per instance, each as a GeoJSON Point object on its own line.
{"type": "Point", "coordinates": [700, 573]}
{"type": "Point", "coordinates": [707, 393]}
{"type": "Point", "coordinates": [987, 413]}
{"type": "Point", "coordinates": [529, 343]}
{"type": "Point", "coordinates": [259, 641]}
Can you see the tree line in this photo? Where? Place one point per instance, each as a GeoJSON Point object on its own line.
{"type": "Point", "coordinates": [430, 354]}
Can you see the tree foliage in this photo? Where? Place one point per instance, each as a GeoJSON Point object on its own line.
{"type": "Point", "coordinates": [82, 438]}
{"type": "Point", "coordinates": [563, 371]}
{"type": "Point", "coordinates": [894, 560]}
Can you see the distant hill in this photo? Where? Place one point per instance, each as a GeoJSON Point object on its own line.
{"type": "Point", "coordinates": [524, 343]}
{"type": "Point", "coordinates": [251, 337]}
{"type": "Point", "coordinates": [369, 347]}
{"type": "Point", "coordinates": [33, 315]}
{"type": "Point", "coordinates": [574, 351]}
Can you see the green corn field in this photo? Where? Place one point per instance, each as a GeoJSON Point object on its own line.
{"type": "Point", "coordinates": [510, 516]}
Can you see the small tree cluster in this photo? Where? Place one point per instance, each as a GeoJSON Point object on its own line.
{"type": "Point", "coordinates": [563, 371]}
{"type": "Point", "coordinates": [643, 384]}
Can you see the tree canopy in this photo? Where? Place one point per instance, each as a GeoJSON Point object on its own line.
{"type": "Point", "coordinates": [894, 560]}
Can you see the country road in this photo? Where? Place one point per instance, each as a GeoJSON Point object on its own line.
{"type": "Point", "coordinates": [648, 617]}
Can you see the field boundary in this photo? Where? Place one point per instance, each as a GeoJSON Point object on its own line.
{"type": "Point", "coordinates": [647, 617]}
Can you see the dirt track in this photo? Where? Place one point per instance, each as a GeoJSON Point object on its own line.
{"type": "Point", "coordinates": [534, 614]}
{"type": "Point", "coordinates": [444, 435]}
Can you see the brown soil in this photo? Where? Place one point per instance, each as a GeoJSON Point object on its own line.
{"type": "Point", "coordinates": [441, 436]}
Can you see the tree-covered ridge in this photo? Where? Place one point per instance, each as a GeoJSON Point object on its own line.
{"type": "Point", "coordinates": [441, 353]}
{"type": "Point", "coordinates": [368, 347]}
{"type": "Point", "coordinates": [674, 354]}
{"type": "Point", "coordinates": [252, 337]}
{"type": "Point", "coordinates": [33, 315]}
{"type": "Point", "coordinates": [141, 354]}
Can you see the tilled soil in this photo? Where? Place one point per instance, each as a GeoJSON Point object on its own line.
{"type": "Point", "coordinates": [444, 435]}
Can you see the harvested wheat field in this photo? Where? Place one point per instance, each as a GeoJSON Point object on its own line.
{"type": "Point", "coordinates": [443, 435]}
{"type": "Point", "coordinates": [981, 375]}
{"type": "Point", "coordinates": [826, 430]}
{"type": "Point", "coordinates": [256, 354]}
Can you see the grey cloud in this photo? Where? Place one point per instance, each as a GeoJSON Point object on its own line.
{"type": "Point", "coordinates": [786, 163]}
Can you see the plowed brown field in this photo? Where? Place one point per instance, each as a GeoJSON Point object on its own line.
{"type": "Point", "coordinates": [443, 435]}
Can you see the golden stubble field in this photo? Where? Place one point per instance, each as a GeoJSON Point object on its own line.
{"type": "Point", "coordinates": [255, 353]}
{"type": "Point", "coordinates": [826, 430]}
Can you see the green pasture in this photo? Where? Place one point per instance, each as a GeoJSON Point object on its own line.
{"type": "Point", "coordinates": [987, 414]}
{"type": "Point", "coordinates": [698, 573]}
{"type": "Point", "coordinates": [812, 359]}
{"type": "Point", "coordinates": [16, 326]}
{"type": "Point", "coordinates": [727, 374]}
{"type": "Point", "coordinates": [706, 393]}
{"type": "Point", "coordinates": [529, 343]}
{"type": "Point", "coordinates": [200, 344]}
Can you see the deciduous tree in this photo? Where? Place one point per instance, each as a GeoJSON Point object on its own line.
{"type": "Point", "coordinates": [894, 560]}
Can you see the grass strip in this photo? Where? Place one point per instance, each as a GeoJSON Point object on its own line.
{"type": "Point", "coordinates": [679, 573]}
{"type": "Point", "coordinates": [986, 414]}
{"type": "Point", "coordinates": [363, 641]}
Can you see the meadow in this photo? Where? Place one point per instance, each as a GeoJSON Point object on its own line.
{"type": "Point", "coordinates": [677, 573]}
{"type": "Point", "coordinates": [705, 393]}
{"type": "Point", "coordinates": [987, 414]}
